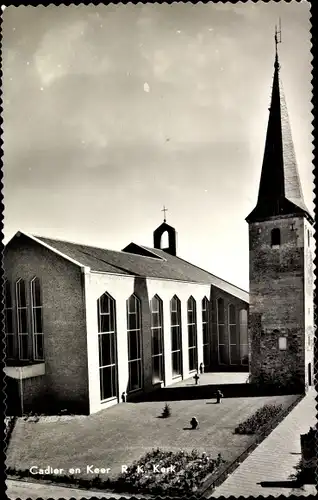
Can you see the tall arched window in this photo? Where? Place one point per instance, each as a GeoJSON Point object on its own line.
{"type": "Point", "coordinates": [37, 328]}
{"type": "Point", "coordinates": [223, 349]}
{"type": "Point", "coordinates": [275, 237]}
{"type": "Point", "coordinates": [176, 338]}
{"type": "Point", "coordinates": [243, 337]}
{"type": "Point", "coordinates": [134, 344]}
{"type": "Point", "coordinates": [192, 334]}
{"type": "Point", "coordinates": [205, 331]}
{"type": "Point", "coordinates": [157, 339]}
{"type": "Point", "coordinates": [22, 320]}
{"type": "Point", "coordinates": [8, 316]}
{"type": "Point", "coordinates": [107, 347]}
{"type": "Point", "coordinates": [234, 342]}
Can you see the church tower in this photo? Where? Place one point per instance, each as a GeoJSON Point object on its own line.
{"type": "Point", "coordinates": [172, 236]}
{"type": "Point", "coordinates": [281, 313]}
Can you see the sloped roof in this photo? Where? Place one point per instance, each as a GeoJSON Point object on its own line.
{"type": "Point", "coordinates": [280, 191]}
{"type": "Point", "coordinates": [162, 265]}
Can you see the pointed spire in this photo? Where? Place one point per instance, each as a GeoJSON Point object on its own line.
{"type": "Point", "coordinates": [280, 190]}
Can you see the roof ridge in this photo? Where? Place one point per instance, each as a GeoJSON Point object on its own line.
{"type": "Point", "coordinates": [74, 243]}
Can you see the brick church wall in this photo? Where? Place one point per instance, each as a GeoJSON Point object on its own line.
{"type": "Point", "coordinates": [64, 323]}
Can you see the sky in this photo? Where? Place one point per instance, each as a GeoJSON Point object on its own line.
{"type": "Point", "coordinates": [112, 112]}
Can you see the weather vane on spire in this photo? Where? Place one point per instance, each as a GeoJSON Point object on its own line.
{"type": "Point", "coordinates": [278, 39]}
{"type": "Point", "coordinates": [164, 210]}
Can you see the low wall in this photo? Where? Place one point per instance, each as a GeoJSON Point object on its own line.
{"type": "Point", "coordinates": [208, 391]}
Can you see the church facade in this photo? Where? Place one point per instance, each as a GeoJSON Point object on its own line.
{"type": "Point", "coordinates": [87, 326]}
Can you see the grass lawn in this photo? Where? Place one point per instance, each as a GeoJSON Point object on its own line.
{"type": "Point", "coordinates": [125, 432]}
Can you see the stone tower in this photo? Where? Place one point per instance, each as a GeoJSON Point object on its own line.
{"type": "Point", "coordinates": [281, 247]}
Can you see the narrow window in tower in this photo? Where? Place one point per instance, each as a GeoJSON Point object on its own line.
{"type": "Point", "coordinates": [282, 343]}
{"type": "Point", "coordinates": [275, 237]}
{"type": "Point", "coordinates": [308, 237]}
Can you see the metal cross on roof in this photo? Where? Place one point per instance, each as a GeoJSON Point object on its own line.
{"type": "Point", "coordinates": [164, 210]}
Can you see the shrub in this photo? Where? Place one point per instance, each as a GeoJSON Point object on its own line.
{"type": "Point", "coordinates": [259, 420]}
{"type": "Point", "coordinates": [179, 472]}
{"type": "Point", "coordinates": [166, 412]}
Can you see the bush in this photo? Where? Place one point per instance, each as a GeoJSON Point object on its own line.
{"type": "Point", "coordinates": [166, 412]}
{"type": "Point", "coordinates": [260, 419]}
{"type": "Point", "coordinates": [179, 472]}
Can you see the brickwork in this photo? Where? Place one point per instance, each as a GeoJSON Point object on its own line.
{"type": "Point", "coordinates": [280, 303]}
{"type": "Point", "coordinates": [64, 323]}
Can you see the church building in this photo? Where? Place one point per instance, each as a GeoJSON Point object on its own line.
{"type": "Point", "coordinates": [87, 326]}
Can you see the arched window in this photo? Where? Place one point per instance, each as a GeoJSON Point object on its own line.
{"type": "Point", "coordinates": [37, 328]}
{"type": "Point", "coordinates": [134, 344]}
{"type": "Point", "coordinates": [243, 337]}
{"type": "Point", "coordinates": [107, 347]}
{"type": "Point", "coordinates": [22, 320]}
{"type": "Point", "coordinates": [205, 332]}
{"type": "Point", "coordinates": [223, 347]}
{"type": "Point", "coordinates": [164, 243]}
{"type": "Point", "coordinates": [176, 338]}
{"type": "Point", "coordinates": [157, 339]}
{"type": "Point", "coordinates": [192, 334]}
{"type": "Point", "coordinates": [275, 237]}
{"type": "Point", "coordinates": [8, 316]}
{"type": "Point", "coordinates": [234, 343]}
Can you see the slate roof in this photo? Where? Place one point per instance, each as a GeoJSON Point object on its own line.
{"type": "Point", "coordinates": [280, 191]}
{"type": "Point", "coordinates": [162, 265]}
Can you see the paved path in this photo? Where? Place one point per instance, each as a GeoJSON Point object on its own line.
{"type": "Point", "coordinates": [268, 469]}
{"type": "Point", "coordinates": [25, 489]}
{"type": "Point", "coordinates": [215, 378]}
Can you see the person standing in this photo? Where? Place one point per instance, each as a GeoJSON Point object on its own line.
{"type": "Point", "coordinates": [219, 396]}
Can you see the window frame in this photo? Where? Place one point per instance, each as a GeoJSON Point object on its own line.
{"type": "Point", "coordinates": [218, 329]}
{"type": "Point", "coordinates": [205, 304]}
{"type": "Point", "coordinates": [19, 308]}
{"type": "Point", "coordinates": [35, 334]}
{"type": "Point", "coordinates": [137, 360]}
{"type": "Point", "coordinates": [159, 328]}
{"type": "Point", "coordinates": [113, 338]}
{"type": "Point", "coordinates": [8, 285]}
{"type": "Point", "coordinates": [230, 337]}
{"type": "Point", "coordinates": [243, 323]}
{"type": "Point", "coordinates": [178, 327]}
{"type": "Point", "coordinates": [194, 348]}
